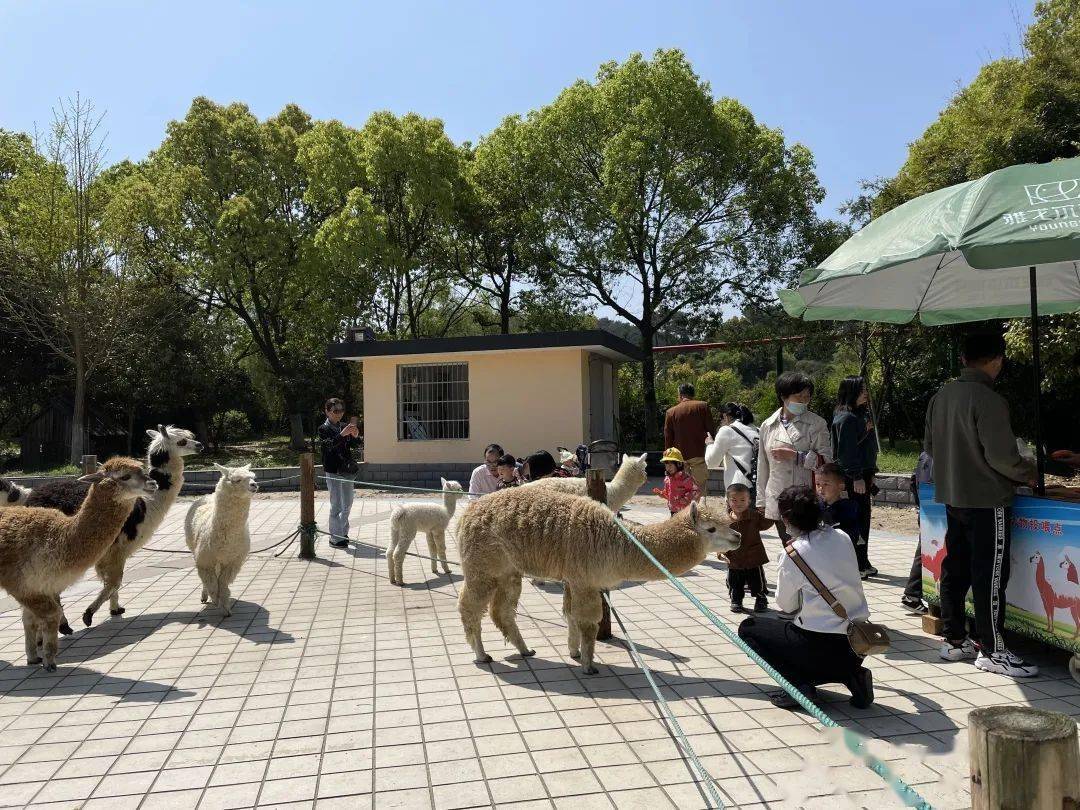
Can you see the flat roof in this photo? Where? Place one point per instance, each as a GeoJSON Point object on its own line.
{"type": "Point", "coordinates": [594, 340]}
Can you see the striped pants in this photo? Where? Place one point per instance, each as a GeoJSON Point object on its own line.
{"type": "Point", "coordinates": [977, 543]}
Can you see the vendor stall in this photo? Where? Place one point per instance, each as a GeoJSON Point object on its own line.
{"type": "Point", "coordinates": [1043, 597]}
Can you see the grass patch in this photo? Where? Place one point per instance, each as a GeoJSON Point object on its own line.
{"type": "Point", "coordinates": [899, 459]}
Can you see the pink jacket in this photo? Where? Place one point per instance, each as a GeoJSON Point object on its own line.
{"type": "Point", "coordinates": [679, 490]}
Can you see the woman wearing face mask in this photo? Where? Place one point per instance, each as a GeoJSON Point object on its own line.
{"type": "Point", "coordinates": [794, 442]}
{"type": "Point", "coordinates": [855, 449]}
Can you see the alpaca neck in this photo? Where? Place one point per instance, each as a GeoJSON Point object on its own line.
{"type": "Point", "coordinates": [230, 511]}
{"type": "Point", "coordinates": [622, 487]}
{"type": "Point", "coordinates": [674, 543]}
{"type": "Point", "coordinates": [95, 526]}
{"type": "Point", "coordinates": [167, 468]}
{"type": "Point", "coordinates": [450, 502]}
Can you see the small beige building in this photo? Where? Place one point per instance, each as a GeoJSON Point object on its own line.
{"type": "Point", "coordinates": [443, 400]}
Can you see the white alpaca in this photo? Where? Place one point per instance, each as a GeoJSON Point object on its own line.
{"type": "Point", "coordinates": [12, 494]}
{"type": "Point", "coordinates": [216, 531]}
{"type": "Point", "coordinates": [431, 518]}
{"type": "Point", "coordinates": [628, 479]}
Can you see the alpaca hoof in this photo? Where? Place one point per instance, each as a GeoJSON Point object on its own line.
{"type": "Point", "coordinates": [483, 659]}
{"type": "Point", "coordinates": [446, 571]}
{"type": "Point", "coordinates": [32, 662]}
{"type": "Point", "coordinates": [65, 629]}
{"type": "Point", "coordinates": [50, 667]}
{"type": "Point", "coordinates": [590, 670]}
{"type": "Point", "coordinates": [528, 653]}
{"type": "Point", "coordinates": [117, 612]}
{"type": "Point", "coordinates": [576, 655]}
{"type": "Point", "coordinates": [88, 618]}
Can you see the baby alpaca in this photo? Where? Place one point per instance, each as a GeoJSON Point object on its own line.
{"type": "Point", "coordinates": [44, 551]}
{"type": "Point", "coordinates": [216, 531]}
{"type": "Point", "coordinates": [11, 494]}
{"type": "Point", "coordinates": [430, 518]}
{"type": "Point", "coordinates": [628, 479]}
{"type": "Point", "coordinates": [559, 536]}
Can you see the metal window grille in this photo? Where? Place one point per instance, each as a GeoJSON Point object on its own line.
{"type": "Point", "coordinates": [433, 401]}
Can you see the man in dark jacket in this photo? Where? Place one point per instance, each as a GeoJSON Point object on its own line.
{"type": "Point", "coordinates": [336, 441]}
{"type": "Point", "coordinates": [976, 469]}
{"type": "Point", "coordinates": [685, 426]}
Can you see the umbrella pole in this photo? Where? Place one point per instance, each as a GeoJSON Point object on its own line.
{"type": "Point", "coordinates": [1040, 459]}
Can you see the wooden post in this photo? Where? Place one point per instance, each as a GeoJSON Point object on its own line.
{"type": "Point", "coordinates": [89, 464]}
{"type": "Point", "coordinates": [307, 506]}
{"type": "Point", "coordinates": [1023, 757]}
{"type": "Point", "coordinates": [932, 623]}
{"type": "Point", "coordinates": [596, 488]}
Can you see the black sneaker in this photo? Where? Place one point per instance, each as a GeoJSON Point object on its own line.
{"type": "Point", "coordinates": [916, 606]}
{"type": "Point", "coordinates": [861, 686]}
{"type": "Point", "coordinates": [761, 604]}
{"type": "Point", "coordinates": [782, 700]}
{"type": "Point", "coordinates": [339, 542]}
{"type": "Point", "coordinates": [737, 607]}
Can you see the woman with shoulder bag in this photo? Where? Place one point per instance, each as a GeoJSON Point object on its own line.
{"type": "Point", "coordinates": [854, 448]}
{"type": "Point", "coordinates": [814, 648]}
{"type": "Point", "coordinates": [336, 442]}
{"type": "Point", "coordinates": [735, 447]}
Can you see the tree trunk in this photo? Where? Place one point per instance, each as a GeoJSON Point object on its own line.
{"type": "Point", "coordinates": [78, 410]}
{"type": "Point", "coordinates": [648, 387]}
{"type": "Point", "coordinates": [504, 310]}
{"type": "Point", "coordinates": [297, 438]}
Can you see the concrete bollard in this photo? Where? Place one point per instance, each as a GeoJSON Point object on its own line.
{"type": "Point", "coordinates": [1023, 758]}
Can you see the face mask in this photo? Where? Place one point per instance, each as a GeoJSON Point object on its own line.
{"type": "Point", "coordinates": [796, 408]}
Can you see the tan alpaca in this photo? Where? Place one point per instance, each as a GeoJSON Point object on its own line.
{"type": "Point", "coordinates": [216, 531]}
{"type": "Point", "coordinates": [628, 479]}
{"type": "Point", "coordinates": [555, 535]}
{"type": "Point", "coordinates": [430, 518]}
{"type": "Point", "coordinates": [44, 551]}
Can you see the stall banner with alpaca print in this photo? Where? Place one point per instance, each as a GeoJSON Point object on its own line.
{"type": "Point", "coordinates": [1043, 596]}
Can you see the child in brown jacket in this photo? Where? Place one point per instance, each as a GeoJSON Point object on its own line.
{"type": "Point", "coordinates": [746, 564]}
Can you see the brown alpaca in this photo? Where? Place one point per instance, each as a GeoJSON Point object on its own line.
{"type": "Point", "coordinates": [558, 536]}
{"type": "Point", "coordinates": [44, 551]}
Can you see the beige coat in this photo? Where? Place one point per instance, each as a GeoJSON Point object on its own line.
{"type": "Point", "coordinates": [807, 433]}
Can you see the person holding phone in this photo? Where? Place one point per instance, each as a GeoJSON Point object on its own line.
{"type": "Point", "coordinates": [337, 441]}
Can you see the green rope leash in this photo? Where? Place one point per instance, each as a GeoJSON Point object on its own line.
{"type": "Point", "coordinates": [852, 741]}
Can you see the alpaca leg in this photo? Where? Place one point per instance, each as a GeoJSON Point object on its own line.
{"type": "Point", "coordinates": [503, 605]}
{"type": "Point", "coordinates": [473, 599]}
{"type": "Point", "coordinates": [114, 597]}
{"type": "Point", "coordinates": [223, 594]}
{"type": "Point", "coordinates": [103, 595]}
{"type": "Point", "coordinates": [30, 631]}
{"type": "Point", "coordinates": [440, 541]}
{"type": "Point", "coordinates": [433, 551]}
{"type": "Point", "coordinates": [404, 541]}
{"type": "Point", "coordinates": [209, 581]}
{"type": "Point", "coordinates": [395, 538]}
{"type": "Point", "coordinates": [586, 614]}
{"type": "Point", "coordinates": [573, 637]}
{"type": "Point", "coordinates": [64, 627]}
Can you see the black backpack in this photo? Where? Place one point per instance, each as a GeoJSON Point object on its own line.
{"type": "Point", "coordinates": [755, 446]}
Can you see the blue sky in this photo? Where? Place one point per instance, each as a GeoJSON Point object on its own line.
{"type": "Point", "coordinates": [854, 81]}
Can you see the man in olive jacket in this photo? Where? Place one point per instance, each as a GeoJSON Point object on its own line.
{"type": "Point", "coordinates": [976, 469]}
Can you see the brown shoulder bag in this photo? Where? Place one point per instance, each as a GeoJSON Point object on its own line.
{"type": "Point", "coordinates": [865, 637]}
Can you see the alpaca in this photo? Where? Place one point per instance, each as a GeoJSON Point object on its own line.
{"type": "Point", "coordinates": [430, 518]}
{"type": "Point", "coordinates": [559, 536]}
{"type": "Point", "coordinates": [1051, 599]}
{"type": "Point", "coordinates": [628, 479]}
{"type": "Point", "coordinates": [12, 494]}
{"type": "Point", "coordinates": [165, 457]}
{"type": "Point", "coordinates": [43, 551]}
{"type": "Point", "coordinates": [216, 531]}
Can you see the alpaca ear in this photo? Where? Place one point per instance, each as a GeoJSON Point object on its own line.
{"type": "Point", "coordinates": [625, 458]}
{"type": "Point", "coordinates": [443, 482]}
{"type": "Point", "coordinates": [164, 433]}
{"type": "Point", "coordinates": [153, 434]}
{"type": "Point", "coordinates": [92, 478]}
{"type": "Point", "coordinates": [693, 512]}
{"type": "Point", "coordinates": [643, 458]}
{"type": "Point", "coordinates": [220, 469]}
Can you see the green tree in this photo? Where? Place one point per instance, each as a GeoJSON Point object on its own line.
{"type": "Point", "coordinates": [222, 212]}
{"type": "Point", "coordinates": [663, 200]}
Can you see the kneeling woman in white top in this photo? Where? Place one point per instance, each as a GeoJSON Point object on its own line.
{"type": "Point", "coordinates": [813, 648]}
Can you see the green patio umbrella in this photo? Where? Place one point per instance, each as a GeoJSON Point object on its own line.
{"type": "Point", "coordinates": [1004, 246]}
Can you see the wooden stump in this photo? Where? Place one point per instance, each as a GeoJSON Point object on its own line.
{"type": "Point", "coordinates": [1023, 759]}
{"type": "Point", "coordinates": [932, 623]}
{"type": "Point", "coordinates": [307, 506]}
{"type": "Point", "coordinates": [596, 488]}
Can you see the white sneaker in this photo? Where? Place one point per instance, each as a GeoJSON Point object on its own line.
{"type": "Point", "coordinates": [958, 652]}
{"type": "Point", "coordinates": [1005, 663]}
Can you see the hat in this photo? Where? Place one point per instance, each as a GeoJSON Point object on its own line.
{"type": "Point", "coordinates": [565, 457]}
{"type": "Point", "coordinates": [540, 464]}
{"type": "Point", "coordinates": [673, 454]}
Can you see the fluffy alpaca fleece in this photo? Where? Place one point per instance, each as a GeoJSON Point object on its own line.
{"type": "Point", "coordinates": [217, 533]}
{"type": "Point", "coordinates": [559, 536]}
{"type": "Point", "coordinates": [628, 479]}
{"type": "Point", "coordinates": [165, 457]}
{"type": "Point", "coordinates": [430, 518]}
{"type": "Point", "coordinates": [12, 494]}
{"type": "Point", "coordinates": [43, 551]}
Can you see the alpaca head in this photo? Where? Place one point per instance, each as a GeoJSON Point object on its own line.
{"type": "Point", "coordinates": [11, 494]}
{"type": "Point", "coordinates": [123, 478]}
{"type": "Point", "coordinates": [633, 468]}
{"type": "Point", "coordinates": [714, 528]}
{"type": "Point", "coordinates": [171, 442]}
{"type": "Point", "coordinates": [452, 490]}
{"type": "Point", "coordinates": [236, 480]}
{"type": "Point", "coordinates": [1035, 558]}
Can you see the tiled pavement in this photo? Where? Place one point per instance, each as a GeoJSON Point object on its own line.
{"type": "Point", "coordinates": [331, 686]}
